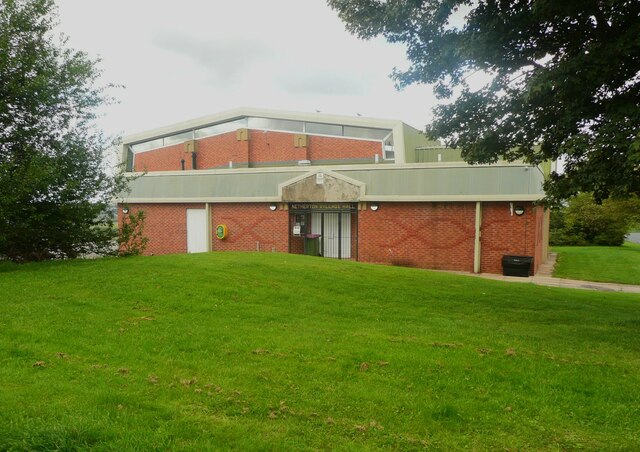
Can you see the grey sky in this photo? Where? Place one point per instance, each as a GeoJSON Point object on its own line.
{"type": "Point", "coordinates": [222, 62]}
{"type": "Point", "coordinates": [180, 60]}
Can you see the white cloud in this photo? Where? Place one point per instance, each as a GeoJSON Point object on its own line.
{"type": "Point", "coordinates": [223, 61]}
{"type": "Point", "coordinates": [321, 82]}
{"type": "Point", "coordinates": [180, 60]}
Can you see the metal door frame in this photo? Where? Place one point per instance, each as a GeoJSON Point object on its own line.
{"type": "Point", "coordinates": [340, 208]}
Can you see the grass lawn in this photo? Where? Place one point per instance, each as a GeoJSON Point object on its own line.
{"type": "Point", "coordinates": [619, 264]}
{"type": "Point", "coordinates": [283, 352]}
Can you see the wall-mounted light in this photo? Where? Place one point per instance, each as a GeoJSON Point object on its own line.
{"type": "Point", "coordinates": [273, 207]}
{"type": "Point", "coordinates": [125, 210]}
{"type": "Point", "coordinates": [374, 206]}
{"type": "Point", "coordinates": [519, 210]}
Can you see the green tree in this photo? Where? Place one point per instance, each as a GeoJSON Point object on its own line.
{"type": "Point", "coordinates": [565, 75]}
{"type": "Point", "coordinates": [54, 187]}
{"type": "Point", "coordinates": [585, 222]}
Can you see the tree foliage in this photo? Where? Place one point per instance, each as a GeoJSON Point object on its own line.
{"type": "Point", "coordinates": [565, 75]}
{"type": "Point", "coordinates": [585, 222]}
{"type": "Point", "coordinates": [55, 189]}
{"type": "Point", "coordinates": [131, 238]}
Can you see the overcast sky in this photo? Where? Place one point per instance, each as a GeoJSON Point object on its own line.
{"type": "Point", "coordinates": [181, 60]}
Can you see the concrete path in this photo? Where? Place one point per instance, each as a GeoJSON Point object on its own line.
{"type": "Point", "coordinates": [544, 278]}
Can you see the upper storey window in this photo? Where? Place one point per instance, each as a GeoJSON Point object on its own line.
{"type": "Point", "coordinates": [285, 125]}
{"type": "Point", "coordinates": [223, 127]}
{"type": "Point", "coordinates": [147, 145]}
{"type": "Point", "coordinates": [365, 132]}
{"type": "Point", "coordinates": [178, 138]}
{"type": "Point", "coordinates": [276, 124]}
{"type": "Point", "coordinates": [323, 129]}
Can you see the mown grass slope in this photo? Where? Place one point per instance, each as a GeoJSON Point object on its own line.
{"type": "Point", "coordinates": [276, 351]}
{"type": "Point", "coordinates": [617, 264]}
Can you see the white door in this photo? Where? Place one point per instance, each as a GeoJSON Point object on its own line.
{"type": "Point", "coordinates": [335, 235]}
{"type": "Point", "coordinates": [197, 231]}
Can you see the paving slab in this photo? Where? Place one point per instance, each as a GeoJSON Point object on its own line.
{"type": "Point", "coordinates": [558, 282]}
{"type": "Point", "coordinates": [544, 278]}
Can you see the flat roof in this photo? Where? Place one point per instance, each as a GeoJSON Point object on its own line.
{"type": "Point", "coordinates": [229, 115]}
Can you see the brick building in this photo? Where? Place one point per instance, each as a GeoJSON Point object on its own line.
{"type": "Point", "coordinates": [340, 187]}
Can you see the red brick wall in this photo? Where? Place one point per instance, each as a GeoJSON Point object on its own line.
{"type": "Point", "coordinates": [330, 148]}
{"type": "Point", "coordinates": [217, 151]}
{"type": "Point", "coordinates": [504, 234]}
{"type": "Point", "coordinates": [262, 147]}
{"type": "Point", "coordinates": [165, 226]}
{"type": "Point", "coordinates": [165, 159]}
{"type": "Point", "coordinates": [296, 244]}
{"type": "Point", "coordinates": [265, 146]}
{"type": "Point", "coordinates": [212, 152]}
{"type": "Point", "coordinates": [427, 235]}
{"type": "Point", "coordinates": [248, 224]}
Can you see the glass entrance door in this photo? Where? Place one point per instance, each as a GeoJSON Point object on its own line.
{"type": "Point", "coordinates": [335, 231]}
{"type": "Point", "coordinates": [332, 226]}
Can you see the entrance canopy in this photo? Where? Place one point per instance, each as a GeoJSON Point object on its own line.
{"type": "Point", "coordinates": [321, 186]}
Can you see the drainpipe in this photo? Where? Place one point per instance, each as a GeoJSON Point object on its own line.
{"type": "Point", "coordinates": [476, 247]}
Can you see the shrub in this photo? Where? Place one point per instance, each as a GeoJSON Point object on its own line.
{"type": "Point", "coordinates": [131, 239]}
{"type": "Point", "coordinates": [585, 222]}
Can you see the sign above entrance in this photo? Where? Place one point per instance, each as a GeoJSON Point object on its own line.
{"type": "Point", "coordinates": [324, 186]}
{"type": "Point", "coordinates": [323, 206]}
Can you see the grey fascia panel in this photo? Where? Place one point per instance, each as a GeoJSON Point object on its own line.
{"type": "Point", "coordinates": [382, 183]}
{"type": "Point", "coordinates": [209, 186]}
{"type": "Point", "coordinates": [466, 181]}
